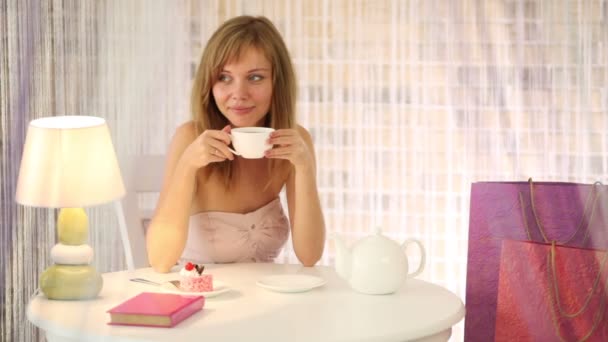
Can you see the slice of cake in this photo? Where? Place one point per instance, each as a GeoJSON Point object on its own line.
{"type": "Point", "coordinates": [192, 278]}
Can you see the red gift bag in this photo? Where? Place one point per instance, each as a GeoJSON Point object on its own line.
{"type": "Point", "coordinates": [569, 213]}
{"type": "Point", "coordinates": [551, 293]}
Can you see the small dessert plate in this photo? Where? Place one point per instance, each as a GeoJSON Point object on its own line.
{"type": "Point", "coordinates": [218, 288]}
{"type": "Point", "coordinates": [290, 283]}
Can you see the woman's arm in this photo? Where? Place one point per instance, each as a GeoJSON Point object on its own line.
{"type": "Point", "coordinates": [168, 230]}
{"type": "Point", "coordinates": [306, 216]}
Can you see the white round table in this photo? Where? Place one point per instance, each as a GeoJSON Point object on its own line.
{"type": "Point", "coordinates": [419, 311]}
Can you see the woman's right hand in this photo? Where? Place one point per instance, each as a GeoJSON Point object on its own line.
{"type": "Point", "coordinates": [211, 146]}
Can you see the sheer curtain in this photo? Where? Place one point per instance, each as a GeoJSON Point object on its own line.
{"type": "Point", "coordinates": [408, 103]}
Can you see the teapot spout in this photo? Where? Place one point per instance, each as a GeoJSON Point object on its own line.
{"type": "Point", "coordinates": [343, 258]}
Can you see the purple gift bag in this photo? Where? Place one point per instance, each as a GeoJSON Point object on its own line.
{"type": "Point", "coordinates": [569, 214]}
{"type": "Point", "coordinates": [548, 292]}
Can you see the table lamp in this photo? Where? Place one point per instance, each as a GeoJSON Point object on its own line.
{"type": "Point", "coordinates": [69, 162]}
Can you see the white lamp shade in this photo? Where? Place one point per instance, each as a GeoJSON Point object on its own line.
{"type": "Point", "coordinates": [68, 161]}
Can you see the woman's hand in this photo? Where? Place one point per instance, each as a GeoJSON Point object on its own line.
{"type": "Point", "coordinates": [289, 144]}
{"type": "Point", "coordinates": [209, 147]}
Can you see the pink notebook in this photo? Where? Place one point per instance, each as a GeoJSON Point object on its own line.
{"type": "Point", "coordinates": [153, 309]}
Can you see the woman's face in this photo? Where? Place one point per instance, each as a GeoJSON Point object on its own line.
{"type": "Point", "coordinates": [243, 90]}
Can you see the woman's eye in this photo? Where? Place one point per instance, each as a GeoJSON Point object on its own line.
{"type": "Point", "coordinates": [256, 78]}
{"type": "Point", "coordinates": [224, 78]}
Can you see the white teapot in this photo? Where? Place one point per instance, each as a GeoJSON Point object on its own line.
{"type": "Point", "coordinates": [376, 264]}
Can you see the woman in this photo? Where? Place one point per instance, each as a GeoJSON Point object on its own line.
{"type": "Point", "coordinates": [218, 207]}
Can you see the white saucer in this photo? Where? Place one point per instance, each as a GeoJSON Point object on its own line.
{"type": "Point", "coordinates": [218, 288]}
{"type": "Point", "coordinates": [290, 282]}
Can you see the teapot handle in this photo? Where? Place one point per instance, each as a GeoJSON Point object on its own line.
{"type": "Point", "coordinates": [422, 256]}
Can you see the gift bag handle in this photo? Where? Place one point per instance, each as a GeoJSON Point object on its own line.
{"type": "Point", "coordinates": [555, 292]}
{"type": "Point", "coordinates": [588, 206]}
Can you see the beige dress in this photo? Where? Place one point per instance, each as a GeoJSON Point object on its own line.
{"type": "Point", "coordinates": [221, 237]}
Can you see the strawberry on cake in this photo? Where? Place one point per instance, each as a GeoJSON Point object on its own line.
{"type": "Point", "coordinates": [192, 278]}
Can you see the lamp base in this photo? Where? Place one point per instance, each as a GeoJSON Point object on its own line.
{"type": "Point", "coordinates": [70, 282]}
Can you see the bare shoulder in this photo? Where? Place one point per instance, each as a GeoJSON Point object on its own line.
{"type": "Point", "coordinates": [183, 136]}
{"type": "Point", "coordinates": [185, 131]}
{"type": "Point", "coordinates": [305, 134]}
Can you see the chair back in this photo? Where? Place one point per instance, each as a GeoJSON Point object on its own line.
{"type": "Point", "coordinates": [143, 174]}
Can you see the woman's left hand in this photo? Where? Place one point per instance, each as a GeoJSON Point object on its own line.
{"type": "Point", "coordinates": [290, 145]}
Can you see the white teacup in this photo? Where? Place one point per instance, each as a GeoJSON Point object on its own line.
{"type": "Point", "coordinates": [250, 142]}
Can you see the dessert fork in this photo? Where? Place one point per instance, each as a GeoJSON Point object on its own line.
{"type": "Point", "coordinates": [150, 282]}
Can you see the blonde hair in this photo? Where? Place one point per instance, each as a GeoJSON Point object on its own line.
{"type": "Point", "coordinates": [228, 42]}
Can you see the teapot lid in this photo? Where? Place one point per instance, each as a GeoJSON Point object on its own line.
{"type": "Point", "coordinates": [376, 244]}
{"type": "Point", "coordinates": [377, 236]}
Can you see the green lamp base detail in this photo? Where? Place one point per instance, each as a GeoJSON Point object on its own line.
{"type": "Point", "coordinates": [73, 226]}
{"type": "Point", "coordinates": [70, 282]}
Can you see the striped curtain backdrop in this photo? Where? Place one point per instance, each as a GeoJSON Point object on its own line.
{"type": "Point", "coordinates": [408, 103]}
